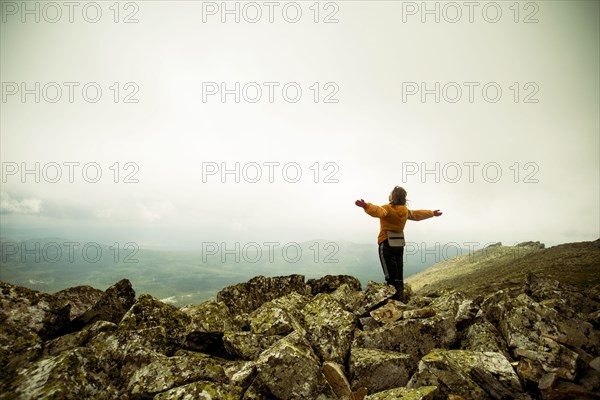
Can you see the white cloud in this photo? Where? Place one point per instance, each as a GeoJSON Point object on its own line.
{"type": "Point", "coordinates": [10, 205]}
{"type": "Point", "coordinates": [154, 211]}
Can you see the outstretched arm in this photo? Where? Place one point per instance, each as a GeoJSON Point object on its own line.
{"type": "Point", "coordinates": [371, 209]}
{"type": "Point", "coordinates": [418, 215]}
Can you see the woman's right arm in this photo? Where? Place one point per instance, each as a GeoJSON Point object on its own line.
{"type": "Point", "coordinates": [375, 211]}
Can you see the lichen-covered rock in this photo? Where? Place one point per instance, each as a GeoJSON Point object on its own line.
{"type": "Point", "coordinates": [202, 390]}
{"type": "Point", "coordinates": [155, 322]}
{"type": "Point", "coordinates": [111, 306]}
{"type": "Point", "coordinates": [347, 297]}
{"type": "Point", "coordinates": [483, 336]}
{"type": "Point", "coordinates": [466, 314]}
{"type": "Point", "coordinates": [81, 298]}
{"type": "Point", "coordinates": [554, 357]}
{"type": "Point", "coordinates": [330, 283]}
{"type": "Point", "coordinates": [208, 322]}
{"type": "Point", "coordinates": [27, 318]}
{"type": "Point", "coordinates": [422, 393]}
{"type": "Point", "coordinates": [210, 316]}
{"type": "Point", "coordinates": [389, 312]}
{"type": "Point", "coordinates": [76, 339]}
{"type": "Point", "coordinates": [293, 303]}
{"type": "Point", "coordinates": [121, 354]}
{"type": "Point", "coordinates": [24, 310]}
{"type": "Point", "coordinates": [369, 324]}
{"type": "Point", "coordinates": [375, 295]}
{"type": "Point", "coordinates": [329, 327]}
{"type": "Point", "coordinates": [271, 320]}
{"type": "Point", "coordinates": [472, 375]}
{"type": "Point", "coordinates": [248, 345]}
{"type": "Point", "coordinates": [379, 370]}
{"type": "Point", "coordinates": [74, 374]}
{"type": "Point", "coordinates": [183, 368]}
{"type": "Point", "coordinates": [247, 297]}
{"type": "Point", "coordinates": [416, 337]}
{"type": "Point", "coordinates": [291, 370]}
{"type": "Point", "coordinates": [543, 335]}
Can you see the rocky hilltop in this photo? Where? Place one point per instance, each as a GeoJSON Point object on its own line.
{"type": "Point", "coordinates": [500, 333]}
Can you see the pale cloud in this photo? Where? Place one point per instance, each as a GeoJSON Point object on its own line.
{"type": "Point", "coordinates": [10, 205]}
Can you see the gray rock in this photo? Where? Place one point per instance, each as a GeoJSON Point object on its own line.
{"type": "Point", "coordinates": [379, 370]}
{"type": "Point", "coordinates": [248, 345]}
{"type": "Point", "coordinates": [389, 312]}
{"type": "Point", "coordinates": [483, 336]}
{"type": "Point", "coordinates": [460, 372]}
{"type": "Point", "coordinates": [329, 328]}
{"type": "Point", "coordinates": [74, 374]}
{"type": "Point", "coordinates": [369, 324]}
{"type": "Point", "coordinates": [76, 339]}
{"type": "Point", "coordinates": [183, 368]}
{"type": "Point", "coordinates": [416, 337]}
{"type": "Point", "coordinates": [81, 298]}
{"type": "Point", "coordinates": [153, 323]}
{"type": "Point", "coordinates": [210, 317]}
{"type": "Point", "coordinates": [271, 320]}
{"type": "Point", "coordinates": [291, 370]}
{"type": "Point", "coordinates": [202, 390]}
{"type": "Point", "coordinates": [111, 307]}
{"type": "Point", "coordinates": [374, 295]}
{"type": "Point", "coordinates": [247, 297]}
{"type": "Point", "coordinates": [347, 297]}
{"type": "Point", "coordinates": [330, 283]}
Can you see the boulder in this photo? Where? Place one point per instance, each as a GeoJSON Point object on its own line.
{"type": "Point", "coordinates": [470, 374]}
{"type": "Point", "coordinates": [73, 374]}
{"type": "Point", "coordinates": [81, 298]}
{"type": "Point", "coordinates": [329, 328]}
{"type": "Point", "coordinates": [415, 337]}
{"type": "Point", "coordinates": [389, 312]}
{"type": "Point", "coordinates": [483, 336]}
{"type": "Point", "coordinates": [247, 297]}
{"type": "Point", "coordinates": [183, 368]}
{"type": "Point", "coordinates": [379, 370]}
{"type": "Point", "coordinates": [77, 339]}
{"type": "Point", "coordinates": [111, 306]}
{"type": "Point", "coordinates": [330, 283]}
{"type": "Point", "coordinates": [208, 323]}
{"type": "Point", "coordinates": [26, 311]}
{"type": "Point", "coordinates": [248, 345]}
{"type": "Point", "coordinates": [369, 324]}
{"type": "Point", "coordinates": [202, 390]}
{"type": "Point", "coordinates": [154, 324]}
{"type": "Point", "coordinates": [291, 370]}
{"type": "Point", "coordinates": [271, 320]}
{"type": "Point", "coordinates": [374, 295]}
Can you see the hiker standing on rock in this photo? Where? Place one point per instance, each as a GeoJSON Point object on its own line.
{"type": "Point", "coordinates": [392, 218]}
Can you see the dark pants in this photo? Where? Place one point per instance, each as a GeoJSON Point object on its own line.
{"type": "Point", "coordinates": [393, 265]}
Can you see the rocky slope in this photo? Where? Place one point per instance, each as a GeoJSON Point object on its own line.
{"type": "Point", "coordinates": [288, 338]}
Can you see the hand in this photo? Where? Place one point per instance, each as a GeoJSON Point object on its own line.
{"type": "Point", "coordinates": [361, 203]}
{"type": "Point", "coordinates": [437, 213]}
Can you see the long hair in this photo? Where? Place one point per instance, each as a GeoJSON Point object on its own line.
{"type": "Point", "coordinates": [398, 196]}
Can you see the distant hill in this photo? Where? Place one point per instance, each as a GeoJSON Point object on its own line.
{"type": "Point", "coordinates": [180, 277]}
{"type": "Point", "coordinates": [503, 267]}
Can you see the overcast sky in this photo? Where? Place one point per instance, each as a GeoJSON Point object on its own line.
{"type": "Point", "coordinates": [499, 102]}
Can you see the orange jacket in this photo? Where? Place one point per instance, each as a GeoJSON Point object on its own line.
{"type": "Point", "coordinates": [393, 218]}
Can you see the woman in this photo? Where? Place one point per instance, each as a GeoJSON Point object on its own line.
{"type": "Point", "coordinates": [392, 218]}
